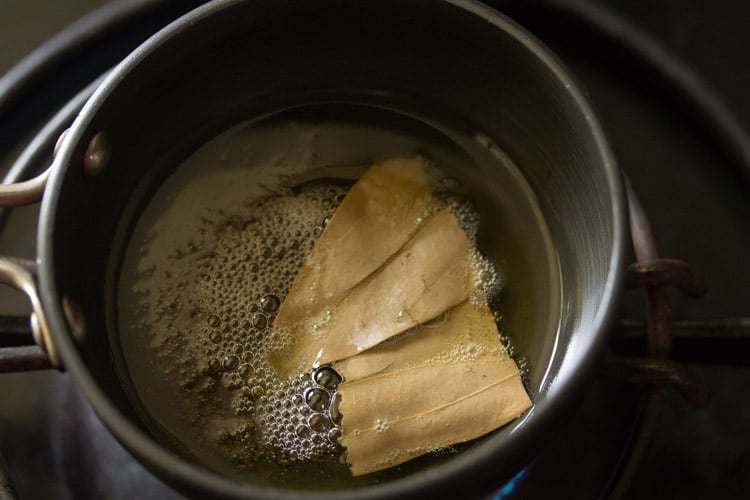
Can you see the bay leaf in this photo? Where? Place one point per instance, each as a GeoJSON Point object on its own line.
{"type": "Point", "coordinates": [428, 389]}
{"type": "Point", "coordinates": [378, 215]}
{"type": "Point", "coordinates": [429, 275]}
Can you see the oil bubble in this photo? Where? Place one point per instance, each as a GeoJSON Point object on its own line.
{"type": "Point", "coordinates": [317, 399]}
{"type": "Point", "coordinates": [246, 370]}
{"type": "Point", "coordinates": [327, 377]}
{"type": "Point", "coordinates": [270, 303]}
{"type": "Point", "coordinates": [231, 362]}
{"type": "Point", "coordinates": [302, 431]}
{"type": "Point", "coordinates": [214, 364]}
{"type": "Point", "coordinates": [319, 422]}
{"type": "Point", "coordinates": [259, 321]}
{"type": "Point", "coordinates": [334, 435]}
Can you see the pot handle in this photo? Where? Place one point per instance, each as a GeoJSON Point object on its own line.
{"type": "Point", "coordinates": [24, 193]}
{"type": "Point", "coordinates": [30, 191]}
{"type": "Point", "coordinates": [21, 275]}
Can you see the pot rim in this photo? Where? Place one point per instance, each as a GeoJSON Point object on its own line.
{"type": "Point", "coordinates": [437, 479]}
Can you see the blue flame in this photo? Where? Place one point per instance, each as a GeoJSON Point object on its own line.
{"type": "Point", "coordinates": [507, 490]}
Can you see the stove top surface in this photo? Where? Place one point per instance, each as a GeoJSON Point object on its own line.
{"type": "Point", "coordinates": [696, 196]}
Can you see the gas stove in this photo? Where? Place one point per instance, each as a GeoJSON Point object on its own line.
{"type": "Point", "coordinates": [668, 80]}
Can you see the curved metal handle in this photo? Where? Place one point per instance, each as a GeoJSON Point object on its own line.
{"type": "Point", "coordinates": [20, 275]}
{"type": "Point", "coordinates": [24, 193]}
{"type": "Point", "coordinates": [30, 191]}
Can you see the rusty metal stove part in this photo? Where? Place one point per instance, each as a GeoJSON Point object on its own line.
{"type": "Point", "coordinates": [659, 312]}
{"type": "Point", "coordinates": [658, 272]}
{"type": "Point", "coordinates": [23, 358]}
{"type": "Point", "coordinates": [722, 341]}
{"type": "Point", "coordinates": [655, 371]}
{"type": "Point", "coordinates": [656, 275]}
{"type": "Point", "coordinates": [660, 373]}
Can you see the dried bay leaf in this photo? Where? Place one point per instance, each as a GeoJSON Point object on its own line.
{"type": "Point", "coordinates": [427, 390]}
{"type": "Point", "coordinates": [428, 276]}
{"type": "Point", "coordinates": [367, 301]}
{"type": "Point", "coordinates": [378, 215]}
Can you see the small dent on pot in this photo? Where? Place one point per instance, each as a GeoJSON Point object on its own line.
{"type": "Point", "coordinates": [98, 154]}
{"type": "Point", "coordinates": [75, 318]}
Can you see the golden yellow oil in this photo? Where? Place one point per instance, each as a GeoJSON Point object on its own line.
{"type": "Point", "coordinates": [221, 237]}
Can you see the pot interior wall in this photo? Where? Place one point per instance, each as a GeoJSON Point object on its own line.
{"type": "Point", "coordinates": [253, 57]}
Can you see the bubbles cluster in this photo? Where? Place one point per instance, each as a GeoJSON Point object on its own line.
{"type": "Point", "coordinates": [486, 280]}
{"type": "Point", "coordinates": [217, 310]}
{"type": "Point", "coordinates": [302, 420]}
{"type": "Point", "coordinates": [214, 303]}
{"type": "Point", "coordinates": [294, 421]}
